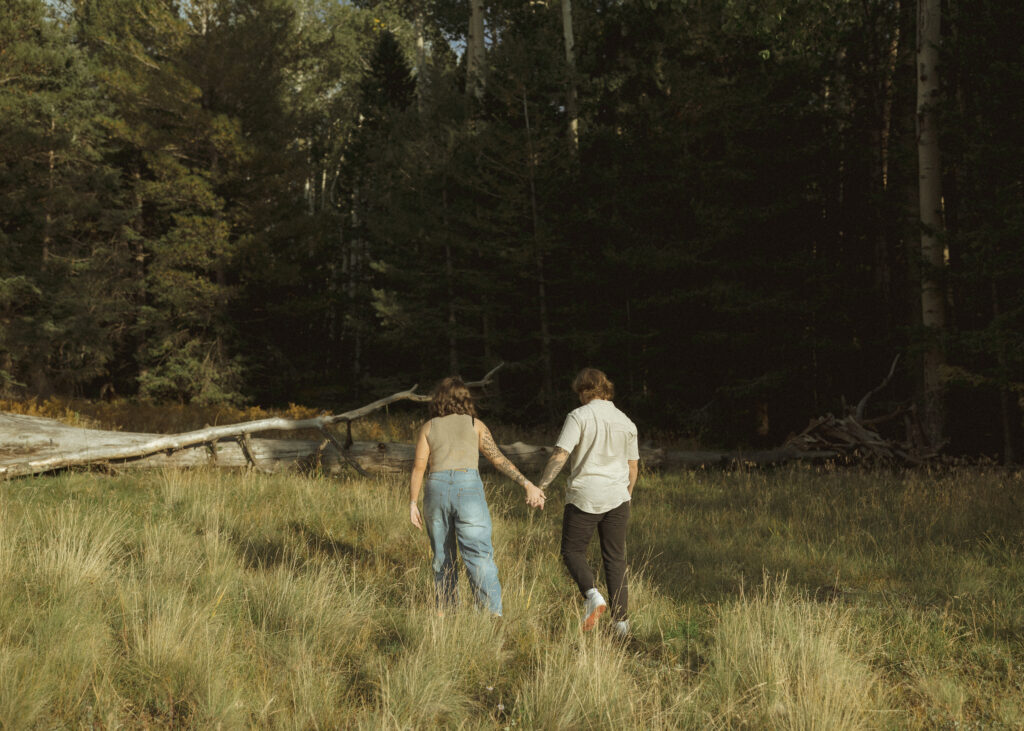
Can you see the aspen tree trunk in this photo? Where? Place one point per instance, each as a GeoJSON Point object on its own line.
{"type": "Point", "coordinates": [421, 56]}
{"type": "Point", "coordinates": [475, 50]}
{"type": "Point", "coordinates": [486, 328]}
{"type": "Point", "coordinates": [48, 222]}
{"type": "Point", "coordinates": [138, 258]}
{"type": "Point", "coordinates": [884, 255]}
{"type": "Point", "coordinates": [1006, 408]}
{"type": "Point", "coordinates": [453, 344]}
{"type": "Point", "coordinates": [571, 106]}
{"type": "Point", "coordinates": [538, 249]}
{"type": "Point", "coordinates": [40, 380]}
{"type": "Point", "coordinates": [449, 276]}
{"type": "Point", "coordinates": [354, 263]}
{"type": "Point", "coordinates": [933, 303]}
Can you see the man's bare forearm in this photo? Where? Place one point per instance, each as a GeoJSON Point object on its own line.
{"type": "Point", "coordinates": [555, 464]}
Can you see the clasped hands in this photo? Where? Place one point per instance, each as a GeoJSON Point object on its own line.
{"type": "Point", "coordinates": [534, 495]}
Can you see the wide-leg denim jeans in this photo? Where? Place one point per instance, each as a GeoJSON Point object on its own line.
{"type": "Point", "coordinates": [456, 514]}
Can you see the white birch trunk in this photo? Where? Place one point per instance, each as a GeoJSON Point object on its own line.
{"type": "Point", "coordinates": [933, 302]}
{"type": "Point", "coordinates": [538, 252]}
{"type": "Point", "coordinates": [421, 56]}
{"type": "Point", "coordinates": [475, 49]}
{"type": "Point", "coordinates": [571, 106]}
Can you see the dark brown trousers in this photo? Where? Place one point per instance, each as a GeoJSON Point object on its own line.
{"type": "Point", "coordinates": [577, 530]}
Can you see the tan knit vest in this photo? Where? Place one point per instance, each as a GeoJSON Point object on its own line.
{"type": "Point", "coordinates": [453, 442]}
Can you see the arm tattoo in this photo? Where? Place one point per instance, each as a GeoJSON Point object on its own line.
{"type": "Point", "coordinates": [555, 464]}
{"type": "Point", "coordinates": [499, 460]}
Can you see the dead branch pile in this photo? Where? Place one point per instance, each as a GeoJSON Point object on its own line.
{"type": "Point", "coordinates": [851, 441]}
{"type": "Point", "coordinates": [853, 438]}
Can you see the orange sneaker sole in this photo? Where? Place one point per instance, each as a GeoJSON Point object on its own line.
{"type": "Point", "coordinates": [591, 620]}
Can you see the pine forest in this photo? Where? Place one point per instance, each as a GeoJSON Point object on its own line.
{"type": "Point", "coordinates": [742, 211]}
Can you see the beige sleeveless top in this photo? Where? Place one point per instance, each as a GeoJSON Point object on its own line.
{"type": "Point", "coordinates": [453, 443]}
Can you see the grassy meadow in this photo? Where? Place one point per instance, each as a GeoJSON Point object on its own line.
{"type": "Point", "coordinates": [800, 598]}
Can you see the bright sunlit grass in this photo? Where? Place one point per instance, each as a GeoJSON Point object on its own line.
{"type": "Point", "coordinates": [800, 598]}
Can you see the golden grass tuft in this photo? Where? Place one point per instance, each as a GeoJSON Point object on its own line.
{"type": "Point", "coordinates": [782, 661]}
{"type": "Point", "coordinates": [580, 682]}
{"type": "Point", "coordinates": [26, 688]}
{"type": "Point", "coordinates": [76, 549]}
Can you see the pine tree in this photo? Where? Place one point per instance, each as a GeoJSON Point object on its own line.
{"type": "Point", "coordinates": [63, 262]}
{"type": "Point", "coordinates": [180, 147]}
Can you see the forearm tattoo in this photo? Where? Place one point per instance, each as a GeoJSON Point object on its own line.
{"type": "Point", "coordinates": [555, 464]}
{"type": "Point", "coordinates": [499, 460]}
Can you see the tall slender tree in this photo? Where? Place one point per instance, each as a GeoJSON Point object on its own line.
{"type": "Point", "coordinates": [571, 102]}
{"type": "Point", "coordinates": [475, 50]}
{"type": "Point", "coordinates": [933, 297]}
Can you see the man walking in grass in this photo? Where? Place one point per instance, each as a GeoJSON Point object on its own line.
{"type": "Point", "coordinates": [602, 442]}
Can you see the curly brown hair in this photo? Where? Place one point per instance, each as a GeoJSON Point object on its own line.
{"type": "Point", "coordinates": [590, 383]}
{"type": "Point", "coordinates": [451, 396]}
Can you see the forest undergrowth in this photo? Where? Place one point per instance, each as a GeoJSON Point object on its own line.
{"type": "Point", "coordinates": [803, 597]}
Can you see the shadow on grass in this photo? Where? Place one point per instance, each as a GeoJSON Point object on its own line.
{"type": "Point", "coordinates": [301, 543]}
{"type": "Point", "coordinates": [688, 571]}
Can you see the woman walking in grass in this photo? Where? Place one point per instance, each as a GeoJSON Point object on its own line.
{"type": "Point", "coordinates": [454, 506]}
{"type": "Point", "coordinates": [603, 444]}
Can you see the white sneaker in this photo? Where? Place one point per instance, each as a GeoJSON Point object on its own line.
{"type": "Point", "coordinates": [593, 608]}
{"type": "Point", "coordinates": [621, 628]}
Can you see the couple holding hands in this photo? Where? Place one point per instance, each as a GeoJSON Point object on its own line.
{"type": "Point", "coordinates": [600, 440]}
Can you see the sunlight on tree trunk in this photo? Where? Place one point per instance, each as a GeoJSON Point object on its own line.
{"type": "Point", "coordinates": [449, 280]}
{"type": "Point", "coordinates": [933, 305]}
{"type": "Point", "coordinates": [547, 382]}
{"type": "Point", "coordinates": [571, 106]}
{"type": "Point", "coordinates": [475, 50]}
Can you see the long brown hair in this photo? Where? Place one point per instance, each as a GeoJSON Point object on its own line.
{"type": "Point", "coordinates": [590, 383]}
{"type": "Point", "coordinates": [451, 396]}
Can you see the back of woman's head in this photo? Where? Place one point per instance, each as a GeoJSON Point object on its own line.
{"type": "Point", "coordinates": [590, 384]}
{"type": "Point", "coordinates": [451, 396]}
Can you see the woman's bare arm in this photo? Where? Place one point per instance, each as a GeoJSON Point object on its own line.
{"type": "Point", "coordinates": [534, 497]}
{"type": "Point", "coordinates": [419, 466]}
{"type": "Point", "coordinates": [490, 450]}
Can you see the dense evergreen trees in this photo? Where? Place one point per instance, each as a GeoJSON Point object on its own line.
{"type": "Point", "coordinates": [303, 200]}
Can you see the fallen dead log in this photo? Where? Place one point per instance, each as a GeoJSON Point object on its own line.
{"type": "Point", "coordinates": [31, 445]}
{"type": "Point", "coordinates": [42, 447]}
{"type": "Point", "coordinates": [45, 445]}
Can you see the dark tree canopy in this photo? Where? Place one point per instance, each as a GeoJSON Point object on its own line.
{"type": "Point", "coordinates": [297, 200]}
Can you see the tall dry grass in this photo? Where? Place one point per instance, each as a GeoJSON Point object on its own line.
{"type": "Point", "coordinates": [782, 661]}
{"type": "Point", "coordinates": [802, 599]}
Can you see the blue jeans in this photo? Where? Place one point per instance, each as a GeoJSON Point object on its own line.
{"type": "Point", "coordinates": [455, 511]}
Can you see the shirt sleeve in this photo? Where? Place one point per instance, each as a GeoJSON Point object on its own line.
{"type": "Point", "coordinates": [632, 450]}
{"type": "Point", "coordinates": [570, 435]}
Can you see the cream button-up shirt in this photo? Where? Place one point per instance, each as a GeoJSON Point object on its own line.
{"type": "Point", "coordinates": [601, 440]}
